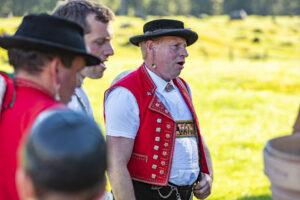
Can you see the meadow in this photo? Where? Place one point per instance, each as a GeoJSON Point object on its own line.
{"type": "Point", "coordinates": [245, 81]}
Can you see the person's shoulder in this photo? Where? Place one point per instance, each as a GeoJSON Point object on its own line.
{"type": "Point", "coordinates": [131, 76]}
{"type": "Point", "coordinates": [128, 81]}
{"type": "Point", "coordinates": [121, 76]}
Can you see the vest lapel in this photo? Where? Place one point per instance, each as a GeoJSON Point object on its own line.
{"type": "Point", "coordinates": [155, 103]}
{"type": "Point", "coordinates": [157, 106]}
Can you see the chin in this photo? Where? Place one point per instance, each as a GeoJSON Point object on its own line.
{"type": "Point", "coordinates": [95, 76]}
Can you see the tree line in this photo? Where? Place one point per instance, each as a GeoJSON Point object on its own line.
{"type": "Point", "coordinates": [142, 8]}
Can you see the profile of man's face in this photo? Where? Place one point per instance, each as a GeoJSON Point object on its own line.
{"type": "Point", "coordinates": [169, 56]}
{"type": "Point", "coordinates": [98, 41]}
{"type": "Point", "coordinates": [68, 77]}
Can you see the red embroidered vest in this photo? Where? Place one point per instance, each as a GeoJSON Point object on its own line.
{"type": "Point", "coordinates": [22, 103]}
{"type": "Point", "coordinates": [153, 149]}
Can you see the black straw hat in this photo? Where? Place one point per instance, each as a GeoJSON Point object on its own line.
{"type": "Point", "coordinates": [48, 33]}
{"type": "Point", "coordinates": [65, 151]}
{"type": "Point", "coordinates": [165, 27]}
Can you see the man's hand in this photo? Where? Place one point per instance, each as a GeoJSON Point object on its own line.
{"type": "Point", "coordinates": [203, 189]}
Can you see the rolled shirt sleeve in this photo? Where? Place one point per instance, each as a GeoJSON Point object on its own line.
{"type": "Point", "coordinates": [121, 114]}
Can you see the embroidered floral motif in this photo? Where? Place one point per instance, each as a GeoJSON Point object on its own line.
{"type": "Point", "coordinates": [158, 106]}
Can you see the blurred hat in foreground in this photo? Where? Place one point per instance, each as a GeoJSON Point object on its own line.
{"type": "Point", "coordinates": [65, 151]}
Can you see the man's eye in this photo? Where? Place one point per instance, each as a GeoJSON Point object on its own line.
{"type": "Point", "coordinates": [99, 43]}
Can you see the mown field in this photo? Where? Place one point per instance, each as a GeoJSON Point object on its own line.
{"type": "Point", "coordinates": [245, 81]}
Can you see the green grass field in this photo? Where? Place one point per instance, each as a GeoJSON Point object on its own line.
{"type": "Point", "coordinates": [245, 82]}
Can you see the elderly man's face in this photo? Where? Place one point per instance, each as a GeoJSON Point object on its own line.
{"type": "Point", "coordinates": [98, 40]}
{"type": "Point", "coordinates": [169, 56]}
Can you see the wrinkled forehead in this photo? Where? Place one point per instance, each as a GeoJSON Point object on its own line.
{"type": "Point", "coordinates": [170, 39]}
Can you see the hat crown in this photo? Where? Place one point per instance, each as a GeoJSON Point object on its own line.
{"type": "Point", "coordinates": [65, 141]}
{"type": "Point", "coordinates": [165, 27]}
{"type": "Point", "coordinates": [162, 24]}
{"type": "Point", "coordinates": [32, 22]}
{"type": "Point", "coordinates": [43, 32]}
{"type": "Point", "coordinates": [53, 29]}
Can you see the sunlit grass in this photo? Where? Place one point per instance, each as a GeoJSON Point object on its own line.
{"type": "Point", "coordinates": [240, 105]}
{"type": "Point", "coordinates": [244, 93]}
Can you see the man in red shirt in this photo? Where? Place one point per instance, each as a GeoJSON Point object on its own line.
{"type": "Point", "coordinates": [47, 52]}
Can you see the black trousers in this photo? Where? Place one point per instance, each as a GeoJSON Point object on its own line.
{"type": "Point", "coordinates": [145, 191]}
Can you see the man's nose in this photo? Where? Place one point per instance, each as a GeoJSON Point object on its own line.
{"type": "Point", "coordinates": [109, 50]}
{"type": "Point", "coordinates": [184, 52]}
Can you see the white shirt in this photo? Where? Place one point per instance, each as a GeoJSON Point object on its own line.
{"type": "Point", "coordinates": [122, 120]}
{"type": "Point", "coordinates": [2, 90]}
{"type": "Point", "coordinates": [80, 102]}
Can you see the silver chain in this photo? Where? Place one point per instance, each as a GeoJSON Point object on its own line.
{"type": "Point", "coordinates": [173, 188]}
{"type": "Point", "coordinates": [81, 102]}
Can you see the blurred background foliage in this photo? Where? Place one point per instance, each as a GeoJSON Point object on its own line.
{"type": "Point", "coordinates": [143, 8]}
{"type": "Point", "coordinates": [256, 38]}
{"type": "Point", "coordinates": [244, 75]}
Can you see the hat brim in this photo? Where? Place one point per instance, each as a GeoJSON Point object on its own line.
{"type": "Point", "coordinates": [45, 45]}
{"type": "Point", "coordinates": [189, 35]}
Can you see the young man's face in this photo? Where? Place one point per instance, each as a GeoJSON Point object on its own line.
{"type": "Point", "coordinates": [98, 40]}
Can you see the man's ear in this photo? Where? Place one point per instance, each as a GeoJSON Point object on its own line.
{"type": "Point", "coordinates": [24, 185]}
{"type": "Point", "coordinates": [150, 46]}
{"type": "Point", "coordinates": [55, 65]}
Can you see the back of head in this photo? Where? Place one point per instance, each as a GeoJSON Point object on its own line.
{"type": "Point", "coordinates": [33, 61]}
{"type": "Point", "coordinates": [78, 10]}
{"type": "Point", "coordinates": [65, 153]}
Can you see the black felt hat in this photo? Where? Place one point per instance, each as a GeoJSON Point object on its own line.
{"type": "Point", "coordinates": [48, 33]}
{"type": "Point", "coordinates": [165, 27]}
{"type": "Point", "coordinates": [65, 151]}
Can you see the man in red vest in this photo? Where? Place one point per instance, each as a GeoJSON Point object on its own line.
{"type": "Point", "coordinates": [47, 53]}
{"type": "Point", "coordinates": [155, 147]}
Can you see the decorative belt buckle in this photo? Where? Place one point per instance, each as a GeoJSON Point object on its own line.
{"type": "Point", "coordinates": [185, 129]}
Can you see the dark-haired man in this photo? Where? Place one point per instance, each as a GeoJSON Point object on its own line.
{"type": "Point", "coordinates": [47, 54]}
{"type": "Point", "coordinates": [98, 32]}
{"type": "Point", "coordinates": [64, 158]}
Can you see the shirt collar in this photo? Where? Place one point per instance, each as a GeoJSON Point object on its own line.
{"type": "Point", "coordinates": [158, 81]}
